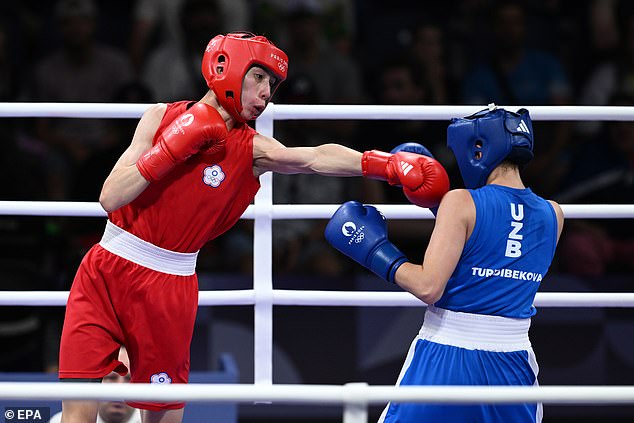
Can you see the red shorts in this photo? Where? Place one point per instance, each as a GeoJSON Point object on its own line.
{"type": "Point", "coordinates": [116, 302]}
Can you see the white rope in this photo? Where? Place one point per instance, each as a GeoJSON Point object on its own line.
{"type": "Point", "coordinates": [399, 299]}
{"type": "Point", "coordinates": [73, 110]}
{"type": "Point", "coordinates": [282, 297]}
{"type": "Point", "coordinates": [317, 394]}
{"type": "Point", "coordinates": [59, 298]}
{"type": "Point", "coordinates": [373, 112]}
{"type": "Point", "coordinates": [325, 111]}
{"type": "Point", "coordinates": [302, 211]}
{"type": "Point", "coordinates": [51, 208]}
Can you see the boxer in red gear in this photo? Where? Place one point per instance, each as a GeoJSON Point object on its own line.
{"type": "Point", "coordinates": [190, 172]}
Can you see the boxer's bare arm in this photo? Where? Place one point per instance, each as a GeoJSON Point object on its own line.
{"type": "Point", "coordinates": [454, 223]}
{"type": "Point", "coordinates": [125, 182]}
{"type": "Point", "coordinates": [560, 217]}
{"type": "Point", "coordinates": [327, 159]}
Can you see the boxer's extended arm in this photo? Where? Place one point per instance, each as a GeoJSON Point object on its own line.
{"type": "Point", "coordinates": [327, 159]}
{"type": "Point", "coordinates": [454, 224]}
{"type": "Point", "coordinates": [125, 182]}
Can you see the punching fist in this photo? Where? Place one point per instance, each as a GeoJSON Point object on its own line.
{"type": "Point", "coordinates": [200, 127]}
{"type": "Point", "coordinates": [422, 177]}
{"type": "Point", "coordinates": [414, 147]}
{"type": "Point", "coordinates": [360, 232]}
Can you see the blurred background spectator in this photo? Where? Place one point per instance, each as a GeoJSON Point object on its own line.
{"type": "Point", "coordinates": [601, 172]}
{"type": "Point", "coordinates": [613, 72]}
{"type": "Point", "coordinates": [172, 71]}
{"type": "Point", "coordinates": [80, 69]}
{"type": "Point", "coordinates": [429, 51]}
{"type": "Point", "coordinates": [511, 72]}
{"type": "Point", "coordinates": [160, 22]}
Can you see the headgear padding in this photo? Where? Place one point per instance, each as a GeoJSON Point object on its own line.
{"type": "Point", "coordinates": [227, 59]}
{"type": "Point", "coordinates": [482, 141]}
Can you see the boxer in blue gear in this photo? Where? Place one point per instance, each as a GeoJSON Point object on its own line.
{"type": "Point", "coordinates": [491, 246]}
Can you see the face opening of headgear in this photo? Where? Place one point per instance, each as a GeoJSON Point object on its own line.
{"type": "Point", "coordinates": [485, 139]}
{"type": "Point", "coordinates": [227, 59]}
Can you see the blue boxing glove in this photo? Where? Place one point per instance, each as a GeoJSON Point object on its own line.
{"type": "Point", "coordinates": [414, 147]}
{"type": "Point", "coordinates": [360, 232]}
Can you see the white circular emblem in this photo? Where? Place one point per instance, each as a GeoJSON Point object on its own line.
{"type": "Point", "coordinates": [213, 176]}
{"type": "Point", "coordinates": [348, 228]}
{"type": "Point", "coordinates": [160, 378]}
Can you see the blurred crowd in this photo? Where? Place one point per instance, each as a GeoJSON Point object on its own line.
{"type": "Point", "coordinates": [461, 52]}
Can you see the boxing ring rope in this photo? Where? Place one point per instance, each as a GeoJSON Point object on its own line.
{"type": "Point", "coordinates": [300, 211]}
{"type": "Point", "coordinates": [334, 298]}
{"type": "Point", "coordinates": [331, 112]}
{"type": "Point", "coordinates": [355, 397]}
{"type": "Point", "coordinates": [355, 393]}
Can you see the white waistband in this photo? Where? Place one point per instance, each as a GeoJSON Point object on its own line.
{"type": "Point", "coordinates": [143, 253]}
{"type": "Point", "coordinates": [475, 331]}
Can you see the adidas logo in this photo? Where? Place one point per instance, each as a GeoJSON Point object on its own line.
{"type": "Point", "coordinates": [522, 127]}
{"type": "Point", "coordinates": [406, 167]}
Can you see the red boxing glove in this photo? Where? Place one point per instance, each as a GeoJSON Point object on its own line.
{"type": "Point", "coordinates": [423, 178]}
{"type": "Point", "coordinates": [200, 127]}
{"type": "Point", "coordinates": [376, 164]}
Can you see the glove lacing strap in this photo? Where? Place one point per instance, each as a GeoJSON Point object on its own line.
{"type": "Point", "coordinates": [386, 260]}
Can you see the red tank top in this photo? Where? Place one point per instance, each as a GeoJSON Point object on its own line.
{"type": "Point", "coordinates": [198, 200]}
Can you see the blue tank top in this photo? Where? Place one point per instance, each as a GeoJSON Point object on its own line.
{"type": "Point", "coordinates": [507, 255]}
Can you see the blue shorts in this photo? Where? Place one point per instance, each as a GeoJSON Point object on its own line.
{"type": "Point", "coordinates": [430, 362]}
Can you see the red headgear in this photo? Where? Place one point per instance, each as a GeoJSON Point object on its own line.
{"type": "Point", "coordinates": [228, 58]}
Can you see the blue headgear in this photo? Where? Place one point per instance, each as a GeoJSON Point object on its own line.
{"type": "Point", "coordinates": [482, 141]}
